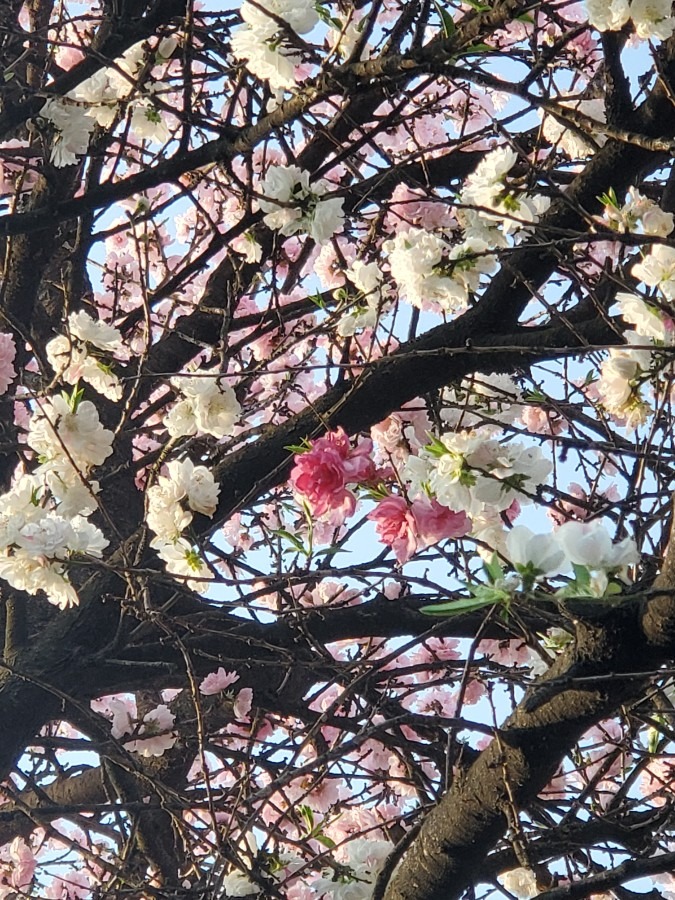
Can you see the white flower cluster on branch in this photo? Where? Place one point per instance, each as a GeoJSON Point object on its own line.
{"type": "Point", "coordinates": [97, 102]}
{"type": "Point", "coordinates": [171, 503]}
{"type": "Point", "coordinates": [79, 354]}
{"type": "Point", "coordinates": [292, 204]}
{"type": "Point", "coordinates": [267, 46]}
{"type": "Point", "coordinates": [651, 18]}
{"type": "Point", "coordinates": [209, 406]}
{"type": "Point", "coordinates": [43, 520]}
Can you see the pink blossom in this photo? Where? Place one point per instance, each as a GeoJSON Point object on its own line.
{"type": "Point", "coordinates": [321, 475]}
{"type": "Point", "coordinates": [410, 528]}
{"type": "Point", "coordinates": [538, 420]}
{"type": "Point", "coordinates": [7, 354]}
{"type": "Point", "coordinates": [236, 535]}
{"type": "Point", "coordinates": [436, 522]}
{"type": "Point", "coordinates": [395, 525]}
{"type": "Point", "coordinates": [218, 681]}
{"type": "Point", "coordinates": [20, 868]}
{"type": "Point", "coordinates": [242, 705]}
{"type": "Point", "coordinates": [154, 733]}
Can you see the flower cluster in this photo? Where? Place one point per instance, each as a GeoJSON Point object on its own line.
{"type": "Point", "coordinates": [651, 18]}
{"type": "Point", "coordinates": [171, 502]}
{"type": "Point", "coordinates": [321, 476]}
{"type": "Point", "coordinates": [410, 527]}
{"type": "Point", "coordinates": [577, 544]}
{"type": "Point", "coordinates": [7, 355]}
{"type": "Point", "coordinates": [96, 101]}
{"type": "Point", "coordinates": [209, 406]}
{"type": "Point", "coordinates": [266, 47]}
{"type": "Point", "coordinates": [367, 280]}
{"type": "Point", "coordinates": [637, 214]}
{"type": "Point", "coordinates": [486, 189]}
{"type": "Point", "coordinates": [43, 516]}
{"type": "Point", "coordinates": [77, 354]}
{"type": "Point", "coordinates": [472, 471]}
{"type": "Point", "coordinates": [572, 141]}
{"type": "Point", "coordinates": [429, 271]}
{"type": "Point", "coordinates": [292, 205]}
{"type": "Point", "coordinates": [624, 372]}
{"type": "Point", "coordinates": [153, 731]}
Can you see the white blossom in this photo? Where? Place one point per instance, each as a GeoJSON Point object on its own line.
{"type": "Point", "coordinates": [73, 130]}
{"type": "Point", "coordinates": [185, 483]}
{"type": "Point", "coordinates": [72, 356]}
{"type": "Point", "coordinates": [639, 210]}
{"type": "Point", "coordinates": [621, 376]}
{"type": "Point", "coordinates": [292, 204]}
{"type": "Point", "coordinates": [155, 737]}
{"type": "Point", "coordinates": [209, 407]}
{"type": "Point", "coordinates": [367, 279]}
{"type": "Point", "coordinates": [301, 15]}
{"type": "Point", "coordinates": [184, 563]}
{"type": "Point", "coordinates": [267, 59]}
{"type": "Point", "coordinates": [477, 471]}
{"type": "Point", "coordinates": [657, 269]}
{"type": "Point", "coordinates": [27, 572]}
{"type": "Point", "coordinates": [647, 320]}
{"type": "Point", "coordinates": [148, 123]}
{"type": "Point", "coordinates": [542, 552]}
{"type": "Point", "coordinates": [428, 270]}
{"type": "Point", "coordinates": [589, 544]}
{"type": "Point", "coordinates": [496, 396]}
{"type": "Point", "coordinates": [521, 882]}
{"type": "Point", "coordinates": [608, 15]}
{"type": "Point", "coordinates": [56, 429]}
{"type": "Point", "coordinates": [572, 141]}
{"type": "Point", "coordinates": [486, 188]}
{"type": "Point", "coordinates": [652, 19]}
{"type": "Point", "coordinates": [237, 885]}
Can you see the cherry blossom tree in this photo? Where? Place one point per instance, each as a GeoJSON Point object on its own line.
{"type": "Point", "coordinates": [336, 413]}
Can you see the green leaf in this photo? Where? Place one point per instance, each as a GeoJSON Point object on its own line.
{"type": "Point", "coordinates": [297, 449]}
{"type": "Point", "coordinates": [457, 607]}
{"type": "Point", "coordinates": [476, 48]}
{"type": "Point", "coordinates": [493, 569]}
{"type": "Point", "coordinates": [325, 840]}
{"type": "Point", "coordinates": [435, 446]}
{"type": "Point", "coordinates": [292, 539]}
{"type": "Point", "coordinates": [535, 396]}
{"type": "Point", "coordinates": [325, 16]}
{"type": "Point", "coordinates": [376, 492]}
{"type": "Point", "coordinates": [582, 577]}
{"type": "Point", "coordinates": [447, 21]}
{"type": "Point", "coordinates": [308, 816]}
{"type": "Point", "coordinates": [74, 398]}
{"type": "Point", "coordinates": [613, 589]}
{"type": "Point", "coordinates": [317, 300]}
{"type": "Point", "coordinates": [609, 199]}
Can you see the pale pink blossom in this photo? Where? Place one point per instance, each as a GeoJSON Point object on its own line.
{"type": "Point", "coordinates": [7, 354]}
{"type": "Point", "coordinates": [242, 705]}
{"type": "Point", "coordinates": [154, 735]}
{"type": "Point", "coordinates": [218, 681]}
{"type": "Point", "coordinates": [539, 420]}
{"type": "Point", "coordinates": [74, 886]}
{"type": "Point", "coordinates": [16, 872]}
